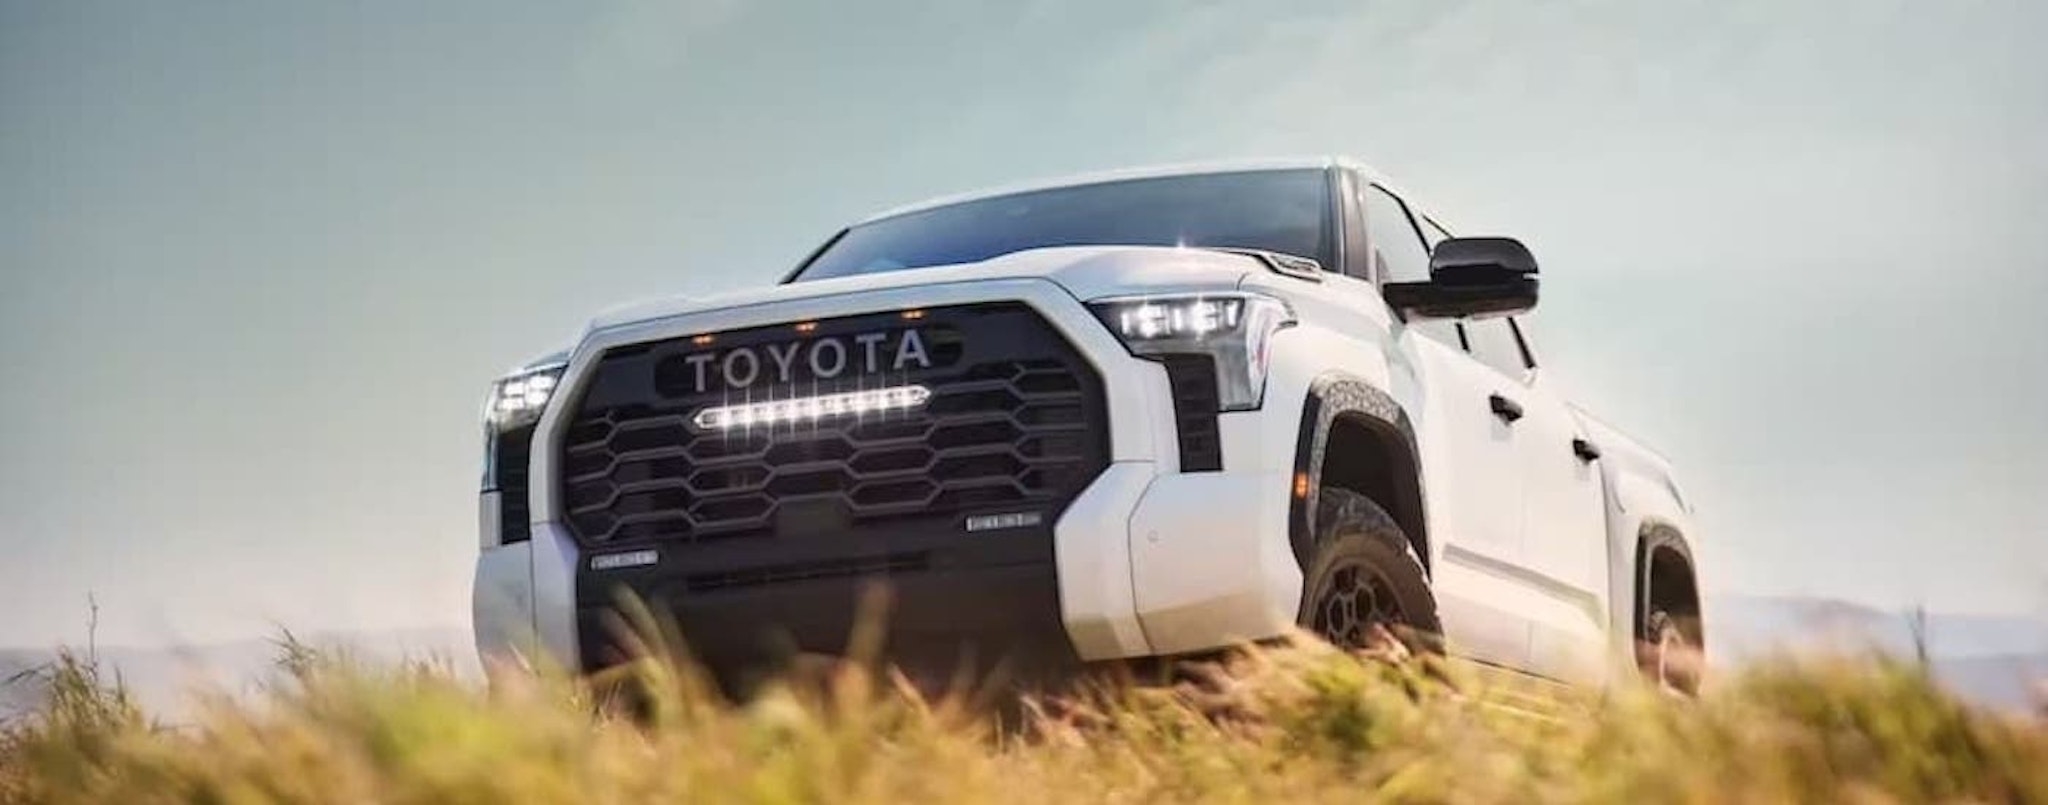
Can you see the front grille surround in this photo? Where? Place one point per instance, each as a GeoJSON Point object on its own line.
{"type": "Point", "coordinates": [1017, 421]}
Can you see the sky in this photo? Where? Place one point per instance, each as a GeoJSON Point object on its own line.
{"type": "Point", "coordinates": [259, 261]}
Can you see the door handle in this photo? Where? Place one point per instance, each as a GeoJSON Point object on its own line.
{"type": "Point", "coordinates": [1586, 451]}
{"type": "Point", "coordinates": [1508, 410]}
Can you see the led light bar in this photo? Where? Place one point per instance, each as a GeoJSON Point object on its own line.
{"type": "Point", "coordinates": [797, 410]}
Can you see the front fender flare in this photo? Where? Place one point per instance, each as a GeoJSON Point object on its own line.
{"type": "Point", "coordinates": [1340, 396]}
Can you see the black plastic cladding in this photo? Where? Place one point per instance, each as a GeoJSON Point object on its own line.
{"type": "Point", "coordinates": [510, 453]}
{"type": "Point", "coordinates": [1195, 405]}
{"type": "Point", "coordinates": [1016, 420]}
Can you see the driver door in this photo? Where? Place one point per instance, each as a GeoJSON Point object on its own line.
{"type": "Point", "coordinates": [1473, 484]}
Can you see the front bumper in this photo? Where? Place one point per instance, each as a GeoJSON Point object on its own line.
{"type": "Point", "coordinates": [1147, 560]}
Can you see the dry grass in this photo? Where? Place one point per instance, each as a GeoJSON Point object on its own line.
{"type": "Point", "coordinates": [1283, 725]}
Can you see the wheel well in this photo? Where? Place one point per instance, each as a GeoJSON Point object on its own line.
{"type": "Point", "coordinates": [1667, 582]}
{"type": "Point", "coordinates": [1371, 458]}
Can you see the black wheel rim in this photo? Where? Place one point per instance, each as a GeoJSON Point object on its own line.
{"type": "Point", "coordinates": [1355, 598]}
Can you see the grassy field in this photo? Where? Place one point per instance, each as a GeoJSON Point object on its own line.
{"type": "Point", "coordinates": [1283, 725]}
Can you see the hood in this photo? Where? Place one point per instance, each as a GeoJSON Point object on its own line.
{"type": "Point", "coordinates": [1087, 272]}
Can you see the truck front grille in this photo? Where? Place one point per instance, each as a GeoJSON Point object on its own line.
{"type": "Point", "coordinates": [1015, 422]}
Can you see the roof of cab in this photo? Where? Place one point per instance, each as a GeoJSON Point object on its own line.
{"type": "Point", "coordinates": [1190, 169]}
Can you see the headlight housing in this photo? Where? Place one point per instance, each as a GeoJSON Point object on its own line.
{"type": "Point", "coordinates": [1233, 328]}
{"type": "Point", "coordinates": [515, 404]}
{"type": "Point", "coordinates": [519, 398]}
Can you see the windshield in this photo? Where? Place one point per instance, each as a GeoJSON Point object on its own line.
{"type": "Point", "coordinates": [1276, 210]}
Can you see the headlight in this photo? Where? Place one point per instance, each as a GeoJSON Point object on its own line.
{"type": "Point", "coordinates": [518, 398]}
{"type": "Point", "coordinates": [1233, 328]}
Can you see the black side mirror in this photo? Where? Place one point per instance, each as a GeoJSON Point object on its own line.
{"type": "Point", "coordinates": [1469, 277]}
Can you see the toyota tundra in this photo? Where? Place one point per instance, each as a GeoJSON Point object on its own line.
{"type": "Point", "coordinates": [1127, 415]}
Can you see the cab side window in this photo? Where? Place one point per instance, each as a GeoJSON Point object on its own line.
{"type": "Point", "coordinates": [1398, 251]}
{"type": "Point", "coordinates": [1401, 255]}
{"type": "Point", "coordinates": [1432, 233]}
{"type": "Point", "coordinates": [1496, 343]}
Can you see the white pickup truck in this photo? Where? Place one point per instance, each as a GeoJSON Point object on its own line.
{"type": "Point", "coordinates": [1126, 415]}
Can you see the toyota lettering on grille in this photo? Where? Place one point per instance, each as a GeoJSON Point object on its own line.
{"type": "Point", "coordinates": [824, 358]}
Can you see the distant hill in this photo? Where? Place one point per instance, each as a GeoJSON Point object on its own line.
{"type": "Point", "coordinates": [2008, 681]}
{"type": "Point", "coordinates": [1997, 660]}
{"type": "Point", "coordinates": [19, 693]}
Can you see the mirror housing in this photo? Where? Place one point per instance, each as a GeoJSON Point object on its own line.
{"type": "Point", "coordinates": [1469, 278]}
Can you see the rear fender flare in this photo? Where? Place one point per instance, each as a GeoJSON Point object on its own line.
{"type": "Point", "coordinates": [1656, 535]}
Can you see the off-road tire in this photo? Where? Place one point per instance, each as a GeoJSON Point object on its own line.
{"type": "Point", "coordinates": [1362, 572]}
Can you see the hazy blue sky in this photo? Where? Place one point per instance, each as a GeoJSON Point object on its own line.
{"type": "Point", "coordinates": [258, 260]}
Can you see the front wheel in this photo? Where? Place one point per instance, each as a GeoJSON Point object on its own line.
{"type": "Point", "coordinates": [1364, 576]}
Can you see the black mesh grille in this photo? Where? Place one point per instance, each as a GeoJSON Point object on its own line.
{"type": "Point", "coordinates": [1015, 421]}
